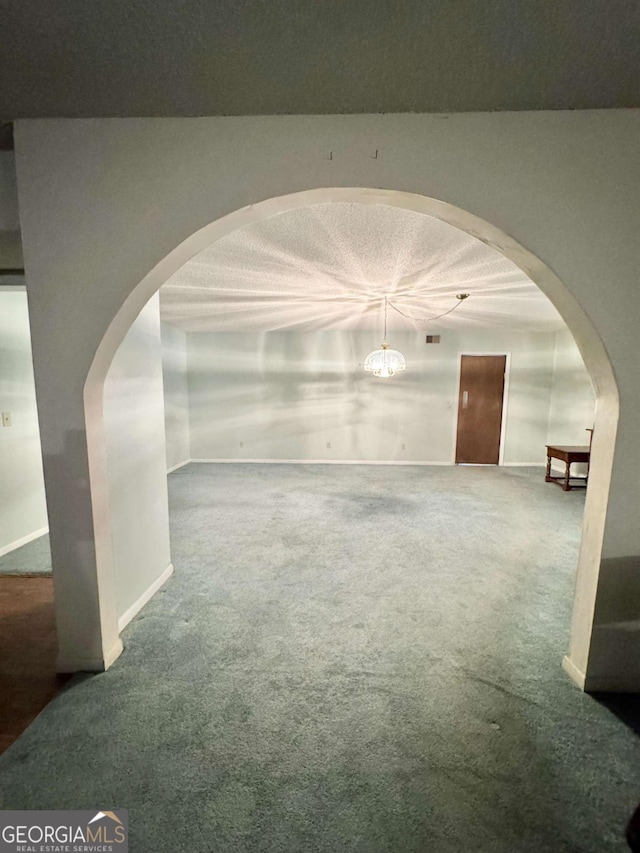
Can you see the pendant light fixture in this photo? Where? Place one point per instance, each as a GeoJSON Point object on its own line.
{"type": "Point", "coordinates": [385, 362]}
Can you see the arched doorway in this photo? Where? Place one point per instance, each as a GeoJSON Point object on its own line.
{"type": "Point", "coordinates": [588, 341]}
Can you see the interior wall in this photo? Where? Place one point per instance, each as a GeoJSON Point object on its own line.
{"type": "Point", "coordinates": [10, 244]}
{"type": "Point", "coordinates": [573, 400]}
{"type": "Point", "coordinates": [136, 464]}
{"type": "Point", "coordinates": [556, 191]}
{"type": "Point", "coordinates": [289, 395]}
{"type": "Point", "coordinates": [23, 508]}
{"type": "Point", "coordinates": [8, 192]}
{"type": "Point", "coordinates": [176, 396]}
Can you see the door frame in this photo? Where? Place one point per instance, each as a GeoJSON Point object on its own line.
{"type": "Point", "coordinates": [505, 399]}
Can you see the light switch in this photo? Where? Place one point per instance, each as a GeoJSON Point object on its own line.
{"type": "Point", "coordinates": [6, 419]}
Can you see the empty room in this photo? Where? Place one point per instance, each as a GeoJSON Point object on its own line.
{"type": "Point", "coordinates": [344, 411]}
{"type": "Point", "coordinates": [318, 450]}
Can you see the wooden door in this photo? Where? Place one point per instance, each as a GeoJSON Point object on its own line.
{"type": "Point", "coordinates": [480, 409]}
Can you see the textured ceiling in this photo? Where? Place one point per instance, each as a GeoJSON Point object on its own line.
{"type": "Point", "coordinates": [244, 57]}
{"type": "Point", "coordinates": [330, 266]}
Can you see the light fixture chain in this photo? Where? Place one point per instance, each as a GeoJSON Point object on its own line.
{"type": "Point", "coordinates": [459, 296]}
{"type": "Point", "coordinates": [386, 302]}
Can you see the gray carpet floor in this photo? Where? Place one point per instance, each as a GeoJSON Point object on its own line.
{"type": "Point", "coordinates": [349, 658]}
{"type": "Point", "coordinates": [34, 558]}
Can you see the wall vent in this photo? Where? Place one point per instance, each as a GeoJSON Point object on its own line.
{"type": "Point", "coordinates": [433, 339]}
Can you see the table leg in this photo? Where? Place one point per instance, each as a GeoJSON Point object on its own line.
{"type": "Point", "coordinates": [547, 477]}
{"type": "Point", "coordinates": [566, 486]}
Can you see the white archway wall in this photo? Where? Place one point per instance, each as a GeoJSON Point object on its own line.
{"type": "Point", "coordinates": [104, 201]}
{"type": "Point", "coordinates": [136, 463]}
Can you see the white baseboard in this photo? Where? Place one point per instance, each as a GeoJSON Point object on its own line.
{"type": "Point", "coordinates": [576, 675]}
{"type": "Point", "coordinates": [80, 664]}
{"type": "Point", "coordinates": [146, 596]}
{"type": "Point", "coordinates": [523, 465]}
{"type": "Point", "coordinates": [315, 462]}
{"type": "Point", "coordinates": [179, 465]}
{"type": "Point", "coordinates": [12, 546]}
{"type": "Point", "coordinates": [356, 462]}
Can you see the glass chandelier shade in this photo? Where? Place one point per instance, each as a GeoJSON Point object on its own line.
{"type": "Point", "coordinates": [384, 362]}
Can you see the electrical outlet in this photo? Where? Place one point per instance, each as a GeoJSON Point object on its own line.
{"type": "Point", "coordinates": [6, 419]}
{"type": "Point", "coordinates": [242, 444]}
{"type": "Point", "coordinates": [404, 446]}
{"type": "Point", "coordinates": [328, 445]}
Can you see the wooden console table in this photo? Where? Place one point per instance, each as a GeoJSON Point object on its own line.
{"type": "Point", "coordinates": [567, 454]}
